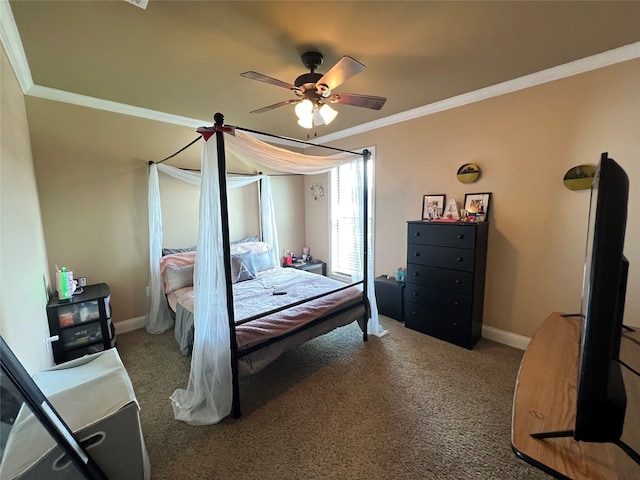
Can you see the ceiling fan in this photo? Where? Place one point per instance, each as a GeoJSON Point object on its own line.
{"type": "Point", "coordinates": [314, 91]}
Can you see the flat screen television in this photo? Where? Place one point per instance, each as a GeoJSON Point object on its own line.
{"type": "Point", "coordinates": [601, 397]}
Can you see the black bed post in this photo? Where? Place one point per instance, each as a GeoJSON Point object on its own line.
{"type": "Point", "coordinates": [226, 248]}
{"type": "Point", "coordinates": [365, 234]}
{"type": "Point", "coordinates": [260, 208]}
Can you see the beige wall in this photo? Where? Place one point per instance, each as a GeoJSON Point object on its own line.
{"type": "Point", "coordinates": [23, 263]}
{"type": "Point", "coordinates": [524, 143]}
{"type": "Point", "coordinates": [180, 212]}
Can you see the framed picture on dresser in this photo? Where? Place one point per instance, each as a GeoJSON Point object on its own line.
{"type": "Point", "coordinates": [477, 202]}
{"type": "Point", "coordinates": [432, 206]}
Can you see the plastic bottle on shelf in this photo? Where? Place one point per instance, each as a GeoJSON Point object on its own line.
{"type": "Point", "coordinates": [480, 216]}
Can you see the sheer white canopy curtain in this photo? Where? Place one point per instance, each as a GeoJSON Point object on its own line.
{"type": "Point", "coordinates": [208, 396]}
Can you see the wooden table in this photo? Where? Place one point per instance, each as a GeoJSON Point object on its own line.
{"type": "Point", "coordinates": [545, 400]}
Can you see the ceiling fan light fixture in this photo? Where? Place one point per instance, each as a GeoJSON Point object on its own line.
{"type": "Point", "coordinates": [328, 114]}
{"type": "Point", "coordinates": [310, 114]}
{"type": "Point", "coordinates": [304, 109]}
{"type": "Point", "coordinates": [306, 122]}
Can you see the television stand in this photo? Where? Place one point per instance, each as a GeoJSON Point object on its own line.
{"type": "Point", "coordinates": [545, 401]}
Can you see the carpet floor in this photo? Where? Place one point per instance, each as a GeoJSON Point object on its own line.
{"type": "Point", "coordinates": [403, 406]}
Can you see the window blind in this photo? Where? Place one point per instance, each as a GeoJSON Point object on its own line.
{"type": "Point", "coordinates": [344, 181]}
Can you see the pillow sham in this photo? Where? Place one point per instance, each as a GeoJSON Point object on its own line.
{"type": "Point", "coordinates": [242, 267]}
{"type": "Point", "coordinates": [178, 276]}
{"type": "Point", "coordinates": [254, 247]}
{"type": "Point", "coordinates": [176, 260]}
{"type": "Point", "coordinates": [253, 238]}
{"type": "Point", "coordinates": [264, 260]}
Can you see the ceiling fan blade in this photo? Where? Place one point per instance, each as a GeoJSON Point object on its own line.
{"type": "Point", "coordinates": [346, 68]}
{"type": "Point", "coordinates": [366, 101]}
{"type": "Point", "coordinates": [270, 80]}
{"type": "Point", "coordinates": [275, 105]}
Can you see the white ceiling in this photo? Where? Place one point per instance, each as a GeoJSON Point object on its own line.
{"type": "Point", "coordinates": [184, 58]}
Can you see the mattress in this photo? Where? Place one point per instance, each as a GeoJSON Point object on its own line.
{"type": "Point", "coordinates": [254, 297]}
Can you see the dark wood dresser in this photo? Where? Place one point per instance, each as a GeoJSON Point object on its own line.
{"type": "Point", "coordinates": [444, 293]}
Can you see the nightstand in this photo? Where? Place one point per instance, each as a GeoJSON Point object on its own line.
{"type": "Point", "coordinates": [390, 297]}
{"type": "Point", "coordinates": [81, 324]}
{"type": "Point", "coordinates": [310, 266]}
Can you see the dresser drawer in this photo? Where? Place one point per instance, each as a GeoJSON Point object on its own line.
{"type": "Point", "coordinates": [451, 328]}
{"type": "Point", "coordinates": [452, 302]}
{"type": "Point", "coordinates": [445, 235]}
{"type": "Point", "coordinates": [455, 280]}
{"type": "Point", "coordinates": [443, 257]}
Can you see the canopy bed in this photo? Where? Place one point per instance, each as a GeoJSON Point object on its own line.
{"type": "Point", "coordinates": [226, 333]}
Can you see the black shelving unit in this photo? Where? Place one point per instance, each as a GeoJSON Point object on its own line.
{"type": "Point", "coordinates": [81, 324]}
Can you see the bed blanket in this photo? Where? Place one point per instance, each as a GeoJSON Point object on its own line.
{"type": "Point", "coordinates": [256, 296]}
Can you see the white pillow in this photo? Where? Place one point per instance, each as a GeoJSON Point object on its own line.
{"type": "Point", "coordinates": [178, 276]}
{"type": "Point", "coordinates": [253, 247]}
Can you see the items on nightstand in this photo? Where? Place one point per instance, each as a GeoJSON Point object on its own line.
{"type": "Point", "coordinates": [65, 285]}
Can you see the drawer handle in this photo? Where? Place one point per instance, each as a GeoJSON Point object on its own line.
{"type": "Point", "coordinates": [416, 274]}
{"type": "Point", "coordinates": [460, 236]}
{"type": "Point", "coordinates": [456, 303]}
{"type": "Point", "coordinates": [417, 254]}
{"type": "Point", "coordinates": [415, 294]}
{"type": "Point", "coordinates": [416, 234]}
{"type": "Point", "coordinates": [458, 281]}
{"type": "Point", "coordinates": [459, 259]}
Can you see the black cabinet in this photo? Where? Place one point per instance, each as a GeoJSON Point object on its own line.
{"type": "Point", "coordinates": [389, 297]}
{"type": "Point", "coordinates": [444, 293]}
{"type": "Point", "coordinates": [81, 324]}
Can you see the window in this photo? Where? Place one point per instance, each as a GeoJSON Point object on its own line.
{"type": "Point", "coordinates": [344, 215]}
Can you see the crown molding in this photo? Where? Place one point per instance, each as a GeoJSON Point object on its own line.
{"type": "Point", "coordinates": [600, 60]}
{"type": "Point", "coordinates": [13, 46]}
{"type": "Point", "coordinates": [116, 107]}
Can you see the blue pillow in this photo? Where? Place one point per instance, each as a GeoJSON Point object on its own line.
{"type": "Point", "coordinates": [242, 267]}
{"type": "Point", "coordinates": [264, 260]}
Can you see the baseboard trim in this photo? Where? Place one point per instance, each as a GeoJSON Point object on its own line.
{"type": "Point", "coordinates": [490, 333]}
{"type": "Point", "coordinates": [128, 325]}
{"type": "Point", "coordinates": [506, 338]}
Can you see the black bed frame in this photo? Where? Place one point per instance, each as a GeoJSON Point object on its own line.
{"type": "Point", "coordinates": [219, 129]}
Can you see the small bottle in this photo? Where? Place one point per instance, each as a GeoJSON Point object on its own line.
{"type": "Point", "coordinates": [64, 287]}
{"type": "Point", "coordinates": [480, 215]}
{"type": "Point", "coordinates": [399, 275]}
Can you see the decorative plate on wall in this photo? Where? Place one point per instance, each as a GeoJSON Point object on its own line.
{"type": "Point", "coordinates": [580, 177]}
{"type": "Point", "coordinates": [468, 173]}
